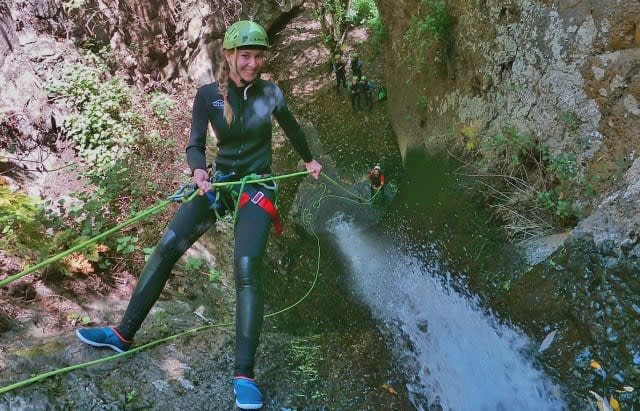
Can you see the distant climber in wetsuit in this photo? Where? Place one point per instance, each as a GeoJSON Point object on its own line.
{"type": "Point", "coordinates": [376, 180]}
{"type": "Point", "coordinates": [339, 68]}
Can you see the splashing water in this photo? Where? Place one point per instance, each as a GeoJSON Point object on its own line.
{"type": "Point", "coordinates": [457, 355]}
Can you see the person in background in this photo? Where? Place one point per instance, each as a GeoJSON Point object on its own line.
{"type": "Point", "coordinates": [356, 65]}
{"type": "Point", "coordinates": [354, 93]}
{"type": "Point", "coordinates": [376, 181]}
{"type": "Point", "coordinates": [339, 68]}
{"type": "Point", "coordinates": [366, 92]}
{"type": "Point", "coordinates": [239, 107]}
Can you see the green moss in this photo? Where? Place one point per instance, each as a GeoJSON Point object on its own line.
{"type": "Point", "coordinates": [41, 350]}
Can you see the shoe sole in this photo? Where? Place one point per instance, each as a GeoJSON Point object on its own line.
{"type": "Point", "coordinates": [247, 406]}
{"type": "Point", "coordinates": [97, 344]}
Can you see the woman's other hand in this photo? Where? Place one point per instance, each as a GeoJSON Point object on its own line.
{"type": "Point", "coordinates": [314, 167]}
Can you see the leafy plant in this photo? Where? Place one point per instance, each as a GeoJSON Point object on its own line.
{"type": "Point", "coordinates": [530, 189]}
{"type": "Point", "coordinates": [147, 252]}
{"type": "Point", "coordinates": [107, 133]}
{"type": "Point", "coordinates": [21, 221]}
{"type": "Point", "coordinates": [332, 16]}
{"type": "Point", "coordinates": [72, 5]}
{"type": "Point", "coordinates": [193, 265]}
{"type": "Point", "coordinates": [471, 137]}
{"type": "Point", "coordinates": [562, 208]}
{"type": "Point", "coordinates": [161, 104]}
{"type": "Point", "coordinates": [363, 11]}
{"type": "Point", "coordinates": [422, 103]}
{"type": "Point", "coordinates": [571, 120]}
{"type": "Point", "coordinates": [438, 22]}
{"type": "Point", "coordinates": [378, 29]}
{"type": "Point", "coordinates": [588, 184]}
{"type": "Point", "coordinates": [564, 166]}
{"type": "Point", "coordinates": [126, 244]}
{"type": "Point", "coordinates": [103, 127]}
{"type": "Point", "coordinates": [431, 25]}
{"type": "Point", "coordinates": [566, 210]}
{"type": "Point", "coordinates": [214, 275]}
{"type": "Point", "coordinates": [18, 211]}
{"type": "Point", "coordinates": [76, 318]}
{"type": "Point", "coordinates": [131, 396]}
{"type": "Point", "coordinates": [510, 151]}
{"type": "Point", "coordinates": [547, 199]}
{"type": "Point", "coordinates": [306, 356]}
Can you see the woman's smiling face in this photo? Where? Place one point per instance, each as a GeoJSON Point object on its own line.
{"type": "Point", "coordinates": [245, 64]}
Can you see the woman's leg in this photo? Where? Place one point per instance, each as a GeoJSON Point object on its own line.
{"type": "Point", "coordinates": [189, 223]}
{"type": "Point", "coordinates": [252, 231]}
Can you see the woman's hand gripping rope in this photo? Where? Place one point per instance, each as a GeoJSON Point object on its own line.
{"type": "Point", "coordinates": [201, 180]}
{"type": "Point", "coordinates": [314, 168]}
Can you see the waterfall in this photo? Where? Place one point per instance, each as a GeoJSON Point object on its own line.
{"type": "Point", "coordinates": [456, 354]}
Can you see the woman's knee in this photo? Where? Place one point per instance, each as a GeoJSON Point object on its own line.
{"type": "Point", "coordinates": [247, 271]}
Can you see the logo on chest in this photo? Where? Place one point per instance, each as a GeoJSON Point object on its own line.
{"type": "Point", "coordinates": [219, 104]}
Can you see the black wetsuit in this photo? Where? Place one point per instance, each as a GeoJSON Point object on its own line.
{"type": "Point", "coordinates": [354, 95]}
{"type": "Point", "coordinates": [366, 93]}
{"type": "Point", "coordinates": [341, 75]}
{"type": "Point", "coordinates": [243, 148]}
{"type": "Point", "coordinates": [356, 68]}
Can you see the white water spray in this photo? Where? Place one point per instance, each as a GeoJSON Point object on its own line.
{"type": "Point", "coordinates": [460, 356]}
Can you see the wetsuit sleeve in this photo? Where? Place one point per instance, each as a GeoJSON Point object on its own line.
{"type": "Point", "coordinates": [291, 127]}
{"type": "Point", "coordinates": [198, 137]}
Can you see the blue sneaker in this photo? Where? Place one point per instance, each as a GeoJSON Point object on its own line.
{"type": "Point", "coordinates": [103, 337]}
{"type": "Point", "coordinates": [248, 395]}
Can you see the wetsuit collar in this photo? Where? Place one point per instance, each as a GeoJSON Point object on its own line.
{"type": "Point", "coordinates": [243, 89]}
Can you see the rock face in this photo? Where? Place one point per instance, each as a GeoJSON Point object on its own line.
{"type": "Point", "coordinates": [7, 34]}
{"type": "Point", "coordinates": [163, 40]}
{"type": "Point", "coordinates": [27, 58]}
{"type": "Point", "coordinates": [564, 72]}
{"type": "Point", "coordinates": [615, 224]}
{"type": "Point", "coordinates": [157, 41]}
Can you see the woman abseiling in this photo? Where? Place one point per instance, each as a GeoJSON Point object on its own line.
{"type": "Point", "coordinates": [239, 106]}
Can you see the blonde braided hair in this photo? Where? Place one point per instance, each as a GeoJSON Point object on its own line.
{"type": "Point", "coordinates": [223, 86]}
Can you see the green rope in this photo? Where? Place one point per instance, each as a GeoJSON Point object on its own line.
{"type": "Point", "coordinates": [353, 197]}
{"type": "Point", "coordinates": [149, 211]}
{"type": "Point", "coordinates": [43, 376]}
{"type": "Point", "coordinates": [59, 371]}
{"type": "Point", "coordinates": [141, 215]}
{"type": "Point", "coordinates": [307, 219]}
{"type": "Point", "coordinates": [260, 180]}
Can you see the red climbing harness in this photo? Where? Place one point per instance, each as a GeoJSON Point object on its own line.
{"type": "Point", "coordinates": [266, 204]}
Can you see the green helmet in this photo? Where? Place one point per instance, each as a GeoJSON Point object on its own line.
{"type": "Point", "coordinates": [355, 78]}
{"type": "Point", "coordinates": [354, 55]}
{"type": "Point", "coordinates": [336, 57]}
{"type": "Point", "coordinates": [245, 33]}
{"type": "Point", "coordinates": [363, 78]}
